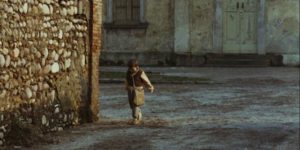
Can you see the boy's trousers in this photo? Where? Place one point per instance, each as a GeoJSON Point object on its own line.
{"type": "Point", "coordinates": [136, 110]}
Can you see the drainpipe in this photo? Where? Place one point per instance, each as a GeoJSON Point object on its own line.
{"type": "Point", "coordinates": [94, 55]}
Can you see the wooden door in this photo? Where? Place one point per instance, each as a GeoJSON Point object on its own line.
{"type": "Point", "coordinates": [240, 26]}
{"type": "Point", "coordinates": [249, 26]}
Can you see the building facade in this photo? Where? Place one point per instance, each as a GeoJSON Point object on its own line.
{"type": "Point", "coordinates": [161, 32]}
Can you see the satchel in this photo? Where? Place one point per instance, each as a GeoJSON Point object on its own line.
{"type": "Point", "coordinates": [139, 96]}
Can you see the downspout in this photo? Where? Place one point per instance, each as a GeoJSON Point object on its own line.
{"type": "Point", "coordinates": [95, 39]}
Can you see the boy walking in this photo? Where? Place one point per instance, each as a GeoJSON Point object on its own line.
{"type": "Point", "coordinates": [135, 81]}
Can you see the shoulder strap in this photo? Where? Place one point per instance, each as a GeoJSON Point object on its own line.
{"type": "Point", "coordinates": [132, 76]}
{"type": "Point", "coordinates": [133, 81]}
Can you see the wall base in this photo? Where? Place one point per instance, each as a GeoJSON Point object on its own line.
{"type": "Point", "coordinates": [291, 59]}
{"type": "Point", "coordinates": [152, 59]}
{"type": "Point", "coordinates": [189, 60]}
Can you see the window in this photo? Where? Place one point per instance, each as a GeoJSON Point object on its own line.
{"type": "Point", "coordinates": [125, 14]}
{"type": "Point", "coordinates": [126, 11]}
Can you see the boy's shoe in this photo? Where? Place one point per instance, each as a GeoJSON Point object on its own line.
{"type": "Point", "coordinates": [136, 122]}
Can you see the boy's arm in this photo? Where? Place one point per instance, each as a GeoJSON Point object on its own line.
{"type": "Point", "coordinates": [147, 81]}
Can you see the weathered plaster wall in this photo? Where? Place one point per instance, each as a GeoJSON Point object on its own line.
{"type": "Point", "coordinates": [181, 27]}
{"type": "Point", "coordinates": [157, 37]}
{"type": "Point", "coordinates": [282, 26]}
{"type": "Point", "coordinates": [278, 31]}
{"type": "Point", "coordinates": [43, 64]}
{"type": "Point", "coordinates": [201, 25]}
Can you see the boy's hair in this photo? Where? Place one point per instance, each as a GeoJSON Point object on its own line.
{"type": "Point", "coordinates": [132, 63]}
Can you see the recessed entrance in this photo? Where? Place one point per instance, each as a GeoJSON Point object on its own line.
{"type": "Point", "coordinates": [240, 26]}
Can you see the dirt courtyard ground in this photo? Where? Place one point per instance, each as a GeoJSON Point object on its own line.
{"type": "Point", "coordinates": [245, 110]}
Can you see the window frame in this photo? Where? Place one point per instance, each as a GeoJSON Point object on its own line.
{"type": "Point", "coordinates": [110, 22]}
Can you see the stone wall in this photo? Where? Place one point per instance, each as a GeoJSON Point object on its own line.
{"type": "Point", "coordinates": [43, 64]}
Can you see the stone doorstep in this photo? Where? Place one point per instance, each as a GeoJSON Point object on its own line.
{"type": "Point", "coordinates": [242, 60]}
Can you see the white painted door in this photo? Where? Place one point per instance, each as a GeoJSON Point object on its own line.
{"type": "Point", "coordinates": [240, 26]}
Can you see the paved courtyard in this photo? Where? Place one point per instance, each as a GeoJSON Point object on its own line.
{"type": "Point", "coordinates": [246, 108]}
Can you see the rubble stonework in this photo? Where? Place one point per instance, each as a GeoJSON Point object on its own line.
{"type": "Point", "coordinates": [43, 64]}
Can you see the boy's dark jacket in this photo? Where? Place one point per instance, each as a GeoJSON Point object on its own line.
{"type": "Point", "coordinates": [137, 78]}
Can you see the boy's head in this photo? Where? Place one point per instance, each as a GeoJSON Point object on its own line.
{"type": "Point", "coordinates": [133, 65]}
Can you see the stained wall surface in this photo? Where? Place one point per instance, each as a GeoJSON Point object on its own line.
{"type": "Point", "coordinates": [282, 29]}
{"type": "Point", "coordinates": [157, 37]}
{"type": "Point", "coordinates": [202, 30]}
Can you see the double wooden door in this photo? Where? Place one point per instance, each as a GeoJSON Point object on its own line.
{"type": "Point", "coordinates": [240, 26]}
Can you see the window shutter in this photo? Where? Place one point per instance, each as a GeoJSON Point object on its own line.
{"type": "Point", "coordinates": [135, 10]}
{"type": "Point", "coordinates": [120, 11]}
{"type": "Point", "coordinates": [126, 12]}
